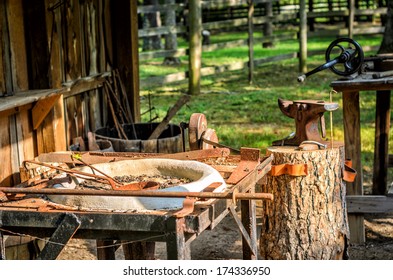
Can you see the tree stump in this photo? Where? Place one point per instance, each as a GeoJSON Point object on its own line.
{"type": "Point", "coordinates": [308, 218]}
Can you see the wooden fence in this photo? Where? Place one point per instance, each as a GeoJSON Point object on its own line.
{"type": "Point", "coordinates": [255, 19]}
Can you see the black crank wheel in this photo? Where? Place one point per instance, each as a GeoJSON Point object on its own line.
{"type": "Point", "coordinates": [350, 55]}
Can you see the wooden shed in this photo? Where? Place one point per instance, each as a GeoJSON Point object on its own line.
{"type": "Point", "coordinates": [54, 58]}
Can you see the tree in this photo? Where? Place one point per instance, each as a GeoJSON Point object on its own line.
{"type": "Point", "coordinates": [387, 41]}
{"type": "Point", "coordinates": [152, 19]}
{"type": "Point", "coordinates": [171, 37]}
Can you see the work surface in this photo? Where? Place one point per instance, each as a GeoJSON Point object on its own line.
{"type": "Point", "coordinates": [38, 217]}
{"type": "Point", "coordinates": [362, 82]}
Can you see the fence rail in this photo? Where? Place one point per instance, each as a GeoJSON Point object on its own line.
{"type": "Point", "coordinates": [281, 15]}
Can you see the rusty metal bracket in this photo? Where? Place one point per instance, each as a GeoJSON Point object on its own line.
{"type": "Point", "coordinates": [64, 232]}
{"type": "Point", "coordinates": [249, 160]}
{"type": "Point", "coordinates": [349, 174]}
{"type": "Point", "coordinates": [289, 169]}
{"type": "Point", "coordinates": [188, 207]}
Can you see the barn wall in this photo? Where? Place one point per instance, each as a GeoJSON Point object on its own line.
{"type": "Point", "coordinates": [52, 67]}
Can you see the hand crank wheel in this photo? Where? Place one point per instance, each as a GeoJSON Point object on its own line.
{"type": "Point", "coordinates": [196, 127]}
{"type": "Point", "coordinates": [351, 57]}
{"type": "Point", "coordinates": [211, 137]}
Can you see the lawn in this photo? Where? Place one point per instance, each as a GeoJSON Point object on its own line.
{"type": "Point", "coordinates": [247, 115]}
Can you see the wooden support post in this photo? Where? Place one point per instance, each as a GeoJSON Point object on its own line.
{"type": "Point", "coordinates": [125, 51]}
{"type": "Point", "coordinates": [311, 20]}
{"type": "Point", "coordinates": [250, 41]}
{"type": "Point", "coordinates": [351, 17]}
{"type": "Point", "coordinates": [17, 45]}
{"type": "Point", "coordinates": [268, 26]}
{"type": "Point", "coordinates": [308, 217]}
{"type": "Point", "coordinates": [51, 135]}
{"type": "Point", "coordinates": [105, 250]}
{"type": "Point", "coordinates": [247, 227]}
{"type": "Point", "coordinates": [351, 113]}
{"type": "Point", "coordinates": [64, 232]}
{"type": "Point", "coordinates": [303, 37]}
{"type": "Point", "coordinates": [195, 47]}
{"type": "Point", "coordinates": [176, 246]}
{"type": "Point", "coordinates": [381, 151]}
{"type": "Point", "coordinates": [2, 246]}
{"type": "Point", "coordinates": [139, 251]}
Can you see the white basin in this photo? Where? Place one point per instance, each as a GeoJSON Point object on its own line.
{"type": "Point", "coordinates": [201, 175]}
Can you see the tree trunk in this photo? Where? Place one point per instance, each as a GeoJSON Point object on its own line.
{"type": "Point", "coordinates": [308, 217]}
{"type": "Point", "coordinates": [387, 41]}
{"type": "Point", "coordinates": [152, 20]}
{"type": "Point", "coordinates": [171, 38]}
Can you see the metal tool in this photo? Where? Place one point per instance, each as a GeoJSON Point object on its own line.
{"type": "Point", "coordinates": [342, 60]}
{"type": "Point", "coordinates": [308, 115]}
{"type": "Point", "coordinates": [201, 137]}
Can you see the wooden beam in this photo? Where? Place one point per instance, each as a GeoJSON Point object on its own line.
{"type": "Point", "coordinates": [362, 204]}
{"type": "Point", "coordinates": [125, 51]}
{"type": "Point", "coordinates": [42, 108]}
{"type": "Point", "coordinates": [17, 45]}
{"type": "Point", "coordinates": [51, 134]}
{"type": "Point", "coordinates": [195, 47]}
{"type": "Point", "coordinates": [54, 39]}
{"type": "Point", "coordinates": [36, 44]}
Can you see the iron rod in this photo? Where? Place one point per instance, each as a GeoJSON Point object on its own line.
{"type": "Point", "coordinates": [226, 195]}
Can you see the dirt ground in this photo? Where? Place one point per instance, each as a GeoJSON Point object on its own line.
{"type": "Point", "coordinates": [224, 242]}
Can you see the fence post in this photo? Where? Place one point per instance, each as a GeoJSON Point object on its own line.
{"type": "Point", "coordinates": [351, 17]}
{"type": "Point", "coordinates": [268, 26]}
{"type": "Point", "coordinates": [250, 41]}
{"type": "Point", "coordinates": [303, 37]}
{"type": "Point", "coordinates": [195, 47]}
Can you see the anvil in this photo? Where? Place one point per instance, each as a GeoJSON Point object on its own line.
{"type": "Point", "coordinates": [308, 114]}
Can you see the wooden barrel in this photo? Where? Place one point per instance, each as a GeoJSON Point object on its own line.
{"type": "Point", "coordinates": [170, 140]}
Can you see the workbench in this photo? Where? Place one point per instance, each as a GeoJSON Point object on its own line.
{"type": "Point", "coordinates": [351, 89]}
{"type": "Point", "coordinates": [38, 218]}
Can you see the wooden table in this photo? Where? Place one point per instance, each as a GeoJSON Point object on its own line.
{"type": "Point", "coordinates": [350, 92]}
{"type": "Point", "coordinates": [36, 219]}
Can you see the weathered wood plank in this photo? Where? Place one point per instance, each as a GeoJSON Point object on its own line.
{"type": "Point", "coordinates": [25, 97]}
{"type": "Point", "coordinates": [14, 141]}
{"type": "Point", "coordinates": [18, 68]}
{"type": "Point", "coordinates": [5, 153]}
{"type": "Point", "coordinates": [5, 77]}
{"type": "Point", "coordinates": [42, 108]}
{"type": "Point", "coordinates": [351, 113]}
{"type": "Point", "coordinates": [55, 42]}
{"type": "Point", "coordinates": [160, 8]}
{"type": "Point", "coordinates": [381, 144]}
{"type": "Point", "coordinates": [63, 233]}
{"type": "Point", "coordinates": [72, 63]}
{"type": "Point", "coordinates": [51, 134]}
{"type": "Point", "coordinates": [37, 48]}
{"type": "Point", "coordinates": [362, 204]}
{"type": "Point", "coordinates": [26, 131]}
{"type": "Point", "coordinates": [125, 38]}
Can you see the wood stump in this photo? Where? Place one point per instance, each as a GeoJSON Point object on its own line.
{"type": "Point", "coordinates": [308, 218]}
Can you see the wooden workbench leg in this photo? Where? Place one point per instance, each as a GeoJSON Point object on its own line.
{"type": "Point", "coordinates": [351, 111]}
{"type": "Point", "coordinates": [2, 246]}
{"type": "Point", "coordinates": [249, 221]}
{"type": "Point", "coordinates": [176, 246]}
{"type": "Point", "coordinates": [139, 251]}
{"type": "Point", "coordinates": [64, 232]}
{"type": "Point", "coordinates": [381, 152]}
{"type": "Point", "coordinates": [105, 250]}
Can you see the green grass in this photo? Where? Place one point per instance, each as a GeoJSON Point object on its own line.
{"type": "Point", "coordinates": [245, 115]}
